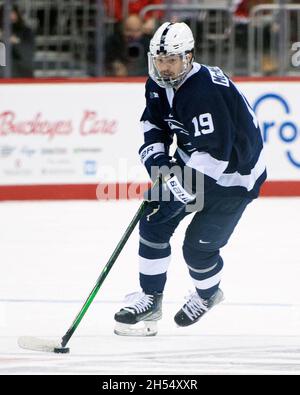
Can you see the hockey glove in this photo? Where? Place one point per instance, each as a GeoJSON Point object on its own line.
{"type": "Point", "coordinates": [167, 200]}
{"type": "Point", "coordinates": [154, 157]}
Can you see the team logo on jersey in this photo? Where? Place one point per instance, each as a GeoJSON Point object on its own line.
{"type": "Point", "coordinates": [176, 125]}
{"type": "Point", "coordinates": [154, 95]}
{"type": "Point", "coordinates": [217, 76]}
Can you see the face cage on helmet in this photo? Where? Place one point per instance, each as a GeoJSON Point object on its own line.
{"type": "Point", "coordinates": [168, 82]}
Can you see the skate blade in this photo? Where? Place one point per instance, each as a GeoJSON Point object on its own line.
{"type": "Point", "coordinates": [149, 329]}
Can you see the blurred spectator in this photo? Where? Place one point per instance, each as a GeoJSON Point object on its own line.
{"type": "Point", "coordinates": [22, 44]}
{"type": "Point", "coordinates": [150, 25]}
{"type": "Point", "coordinates": [243, 7]}
{"type": "Point", "coordinates": [241, 15]}
{"type": "Point", "coordinates": [180, 16]}
{"type": "Point", "coordinates": [126, 50]}
{"type": "Point", "coordinates": [116, 10]}
{"type": "Point", "coordinates": [134, 7]}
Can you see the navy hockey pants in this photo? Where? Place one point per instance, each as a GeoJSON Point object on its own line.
{"type": "Point", "coordinates": [208, 231]}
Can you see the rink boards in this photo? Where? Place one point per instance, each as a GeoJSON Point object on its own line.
{"type": "Point", "coordinates": [78, 139]}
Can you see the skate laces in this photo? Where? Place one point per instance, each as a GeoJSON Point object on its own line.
{"type": "Point", "coordinates": [139, 302]}
{"type": "Point", "coordinates": [194, 306]}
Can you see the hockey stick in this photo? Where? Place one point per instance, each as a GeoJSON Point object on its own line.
{"type": "Point", "coordinates": [35, 344]}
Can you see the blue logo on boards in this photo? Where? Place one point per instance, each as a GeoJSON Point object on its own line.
{"type": "Point", "coordinates": [287, 131]}
{"type": "Point", "coordinates": [90, 167]}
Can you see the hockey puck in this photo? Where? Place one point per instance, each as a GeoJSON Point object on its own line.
{"type": "Point", "coordinates": [61, 350]}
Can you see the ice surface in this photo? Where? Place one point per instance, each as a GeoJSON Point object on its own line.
{"type": "Point", "coordinates": [53, 252]}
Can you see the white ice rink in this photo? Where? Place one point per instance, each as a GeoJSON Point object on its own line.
{"type": "Point", "coordinates": [53, 252]}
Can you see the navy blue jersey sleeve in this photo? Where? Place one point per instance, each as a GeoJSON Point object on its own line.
{"type": "Point", "coordinates": [154, 153]}
{"type": "Point", "coordinates": [152, 120]}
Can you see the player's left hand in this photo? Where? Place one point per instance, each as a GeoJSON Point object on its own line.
{"type": "Point", "coordinates": [167, 200]}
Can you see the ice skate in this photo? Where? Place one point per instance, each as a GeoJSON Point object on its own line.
{"type": "Point", "coordinates": [145, 309]}
{"type": "Point", "coordinates": [196, 307]}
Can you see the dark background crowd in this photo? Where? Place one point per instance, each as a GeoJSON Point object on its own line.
{"type": "Point", "coordinates": [89, 38]}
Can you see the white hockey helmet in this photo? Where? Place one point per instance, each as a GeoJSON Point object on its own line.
{"type": "Point", "coordinates": [170, 39]}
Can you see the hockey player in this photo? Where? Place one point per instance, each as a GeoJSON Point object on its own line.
{"type": "Point", "coordinates": [218, 138]}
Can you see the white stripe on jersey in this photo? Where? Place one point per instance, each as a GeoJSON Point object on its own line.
{"type": "Point", "coordinates": [170, 96]}
{"type": "Point", "coordinates": [214, 168]}
{"type": "Point", "coordinates": [205, 163]}
{"type": "Point", "coordinates": [146, 126]}
{"type": "Point", "coordinates": [152, 267]}
{"type": "Point", "coordinates": [247, 181]}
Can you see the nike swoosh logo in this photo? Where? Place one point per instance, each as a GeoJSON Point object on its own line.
{"type": "Point", "coordinates": [204, 242]}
